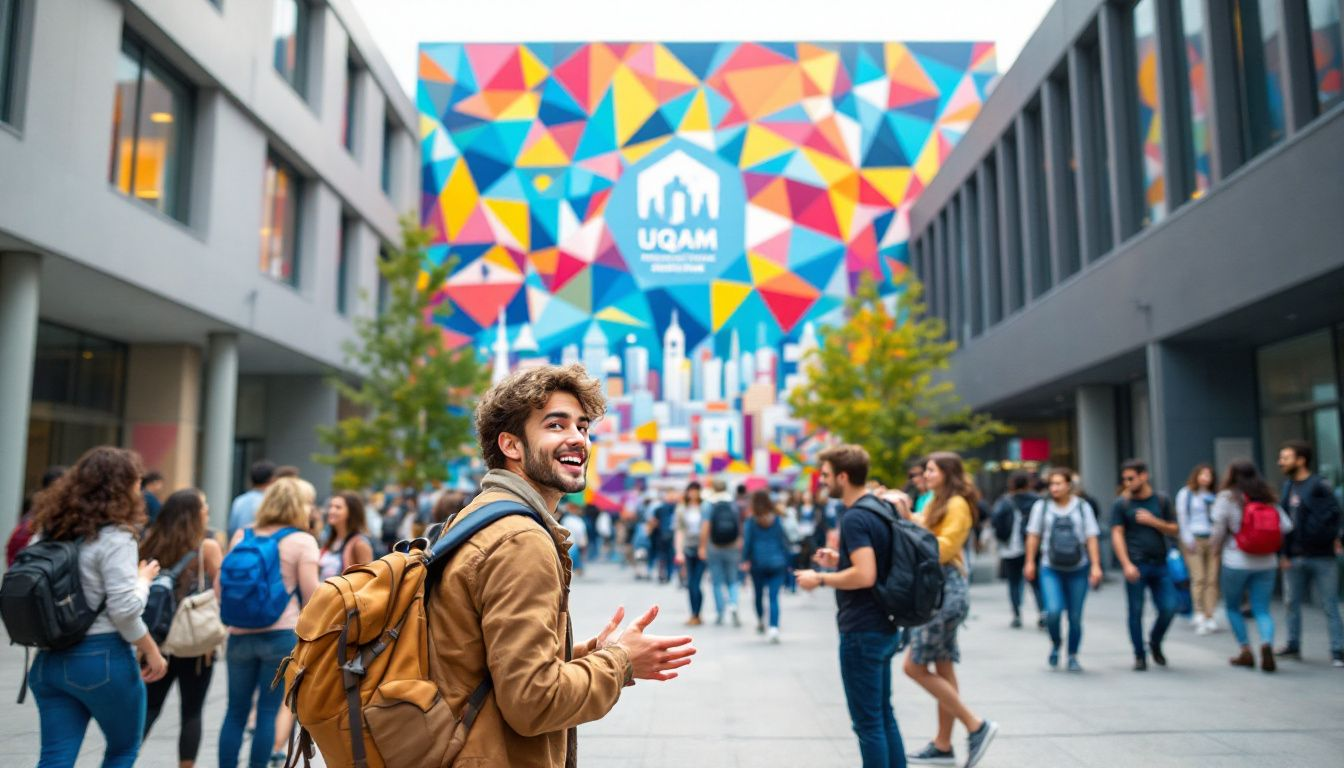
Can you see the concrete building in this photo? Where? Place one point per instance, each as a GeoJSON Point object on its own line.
{"type": "Point", "coordinates": [1139, 243]}
{"type": "Point", "coordinates": [193, 197]}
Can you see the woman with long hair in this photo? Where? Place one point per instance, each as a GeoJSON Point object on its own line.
{"type": "Point", "coordinates": [1194, 515]}
{"type": "Point", "coordinates": [181, 531]}
{"type": "Point", "coordinates": [950, 515]}
{"type": "Point", "coordinates": [1245, 574]}
{"type": "Point", "coordinates": [691, 512]}
{"type": "Point", "coordinates": [255, 654]}
{"type": "Point", "coordinates": [98, 504]}
{"type": "Point", "coordinates": [765, 555]}
{"type": "Point", "coordinates": [1063, 531]}
{"type": "Point", "coordinates": [347, 541]}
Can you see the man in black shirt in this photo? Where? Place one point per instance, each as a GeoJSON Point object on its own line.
{"type": "Point", "coordinates": [1141, 521]}
{"type": "Point", "coordinates": [1310, 548]}
{"type": "Point", "coordinates": [867, 641]}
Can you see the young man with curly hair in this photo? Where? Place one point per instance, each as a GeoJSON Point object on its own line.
{"type": "Point", "coordinates": [502, 605]}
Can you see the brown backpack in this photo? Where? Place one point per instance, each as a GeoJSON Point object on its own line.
{"type": "Point", "coordinates": [358, 680]}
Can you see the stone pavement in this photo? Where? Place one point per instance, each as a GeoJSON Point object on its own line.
{"type": "Point", "coordinates": [744, 703]}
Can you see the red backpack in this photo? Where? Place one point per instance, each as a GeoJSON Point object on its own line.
{"type": "Point", "coordinates": [1260, 533]}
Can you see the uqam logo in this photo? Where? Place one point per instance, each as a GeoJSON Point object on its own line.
{"type": "Point", "coordinates": [677, 216]}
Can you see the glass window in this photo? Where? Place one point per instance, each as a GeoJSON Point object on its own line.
{"type": "Point", "coordinates": [389, 145]}
{"type": "Point", "coordinates": [1037, 209]}
{"type": "Point", "coordinates": [1198, 173]}
{"type": "Point", "coordinates": [384, 288]}
{"type": "Point", "coordinates": [989, 245]}
{"type": "Point", "coordinates": [280, 221]}
{"type": "Point", "coordinates": [1009, 223]}
{"type": "Point", "coordinates": [1256, 26]}
{"type": "Point", "coordinates": [9, 43]}
{"type": "Point", "coordinates": [290, 35]}
{"type": "Point", "coordinates": [1149, 111]}
{"type": "Point", "coordinates": [1067, 211]}
{"type": "Point", "coordinates": [1096, 131]}
{"type": "Point", "coordinates": [350, 117]}
{"type": "Point", "coordinates": [1325, 52]}
{"type": "Point", "coordinates": [972, 320]}
{"type": "Point", "coordinates": [1298, 373]}
{"type": "Point", "coordinates": [151, 126]}
{"type": "Point", "coordinates": [956, 272]}
{"type": "Point", "coordinates": [346, 260]}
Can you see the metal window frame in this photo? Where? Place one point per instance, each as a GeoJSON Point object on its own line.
{"type": "Point", "coordinates": [986, 182]}
{"type": "Point", "coordinates": [1010, 224]}
{"type": "Point", "coordinates": [1060, 183]}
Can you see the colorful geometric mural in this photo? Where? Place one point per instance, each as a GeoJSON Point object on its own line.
{"type": "Point", "coordinates": [738, 186]}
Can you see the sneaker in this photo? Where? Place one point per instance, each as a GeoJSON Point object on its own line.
{"type": "Point", "coordinates": [772, 635]}
{"type": "Point", "coordinates": [1074, 666]}
{"type": "Point", "coordinates": [718, 620]}
{"type": "Point", "coordinates": [1289, 652]}
{"type": "Point", "coordinates": [737, 621]}
{"type": "Point", "coordinates": [760, 627]}
{"type": "Point", "coordinates": [1211, 624]}
{"type": "Point", "coordinates": [1203, 629]}
{"type": "Point", "coordinates": [1140, 664]}
{"type": "Point", "coordinates": [1267, 658]}
{"type": "Point", "coordinates": [1054, 658]}
{"type": "Point", "coordinates": [932, 755]}
{"type": "Point", "coordinates": [978, 743]}
{"type": "Point", "coordinates": [1017, 622]}
{"type": "Point", "coordinates": [1040, 623]}
{"type": "Point", "coordinates": [1337, 659]}
{"type": "Point", "coordinates": [1158, 658]}
{"type": "Point", "coordinates": [694, 621]}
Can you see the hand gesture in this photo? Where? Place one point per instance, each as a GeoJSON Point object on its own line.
{"type": "Point", "coordinates": [826, 557]}
{"type": "Point", "coordinates": [602, 639]}
{"type": "Point", "coordinates": [149, 569]}
{"type": "Point", "coordinates": [653, 657]}
{"type": "Point", "coordinates": [745, 566]}
{"type": "Point", "coordinates": [1132, 573]}
{"type": "Point", "coordinates": [808, 579]}
{"type": "Point", "coordinates": [153, 667]}
{"type": "Point", "coordinates": [1029, 571]}
{"type": "Point", "coordinates": [1094, 577]}
{"type": "Point", "coordinates": [1144, 517]}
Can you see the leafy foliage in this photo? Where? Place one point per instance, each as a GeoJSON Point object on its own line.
{"type": "Point", "coordinates": [874, 382]}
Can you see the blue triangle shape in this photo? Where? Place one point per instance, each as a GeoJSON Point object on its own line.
{"type": "Point", "coordinates": [698, 57]}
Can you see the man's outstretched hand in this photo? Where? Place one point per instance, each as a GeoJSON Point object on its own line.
{"type": "Point", "coordinates": [601, 639]}
{"type": "Point", "coordinates": [653, 657]}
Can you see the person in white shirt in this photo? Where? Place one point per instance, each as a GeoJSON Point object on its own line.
{"type": "Point", "coordinates": [1063, 528]}
{"type": "Point", "coordinates": [1194, 516]}
{"type": "Point", "coordinates": [687, 530]}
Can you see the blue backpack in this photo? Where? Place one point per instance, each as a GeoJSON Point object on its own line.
{"type": "Point", "coordinates": [252, 592]}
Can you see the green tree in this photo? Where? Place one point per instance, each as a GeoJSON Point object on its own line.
{"type": "Point", "coordinates": [873, 381]}
{"type": "Point", "coordinates": [414, 398]}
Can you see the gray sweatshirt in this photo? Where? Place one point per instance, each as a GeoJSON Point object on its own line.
{"type": "Point", "coordinates": [109, 567]}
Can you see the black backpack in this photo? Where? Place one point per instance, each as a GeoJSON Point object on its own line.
{"type": "Point", "coordinates": [161, 605]}
{"type": "Point", "coordinates": [724, 525]}
{"type": "Point", "coordinates": [1318, 520]}
{"type": "Point", "coordinates": [911, 592]}
{"type": "Point", "coordinates": [42, 600]}
{"type": "Point", "coordinates": [1066, 546]}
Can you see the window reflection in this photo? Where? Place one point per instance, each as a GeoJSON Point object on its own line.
{"type": "Point", "coordinates": [1150, 111]}
{"type": "Point", "coordinates": [1197, 73]}
{"type": "Point", "coordinates": [1325, 52]}
{"type": "Point", "coordinates": [151, 117]}
{"type": "Point", "coordinates": [279, 221]}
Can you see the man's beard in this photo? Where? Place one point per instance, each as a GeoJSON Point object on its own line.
{"type": "Point", "coordinates": [538, 467]}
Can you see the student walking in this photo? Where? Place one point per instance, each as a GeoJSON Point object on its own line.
{"type": "Point", "coordinates": [1141, 521]}
{"type": "Point", "coordinates": [949, 515]}
{"type": "Point", "coordinates": [347, 542]}
{"type": "Point", "coordinates": [689, 524]}
{"type": "Point", "coordinates": [766, 554]}
{"type": "Point", "coordinates": [573, 522]}
{"type": "Point", "coordinates": [97, 503]}
{"type": "Point", "coordinates": [179, 532]}
{"type": "Point", "coordinates": [1063, 531]}
{"type": "Point", "coordinates": [1245, 574]}
{"type": "Point", "coordinates": [1311, 549]}
{"type": "Point", "coordinates": [1194, 516]}
{"type": "Point", "coordinates": [1009, 519]}
{"type": "Point", "coordinates": [721, 549]}
{"type": "Point", "coordinates": [257, 646]}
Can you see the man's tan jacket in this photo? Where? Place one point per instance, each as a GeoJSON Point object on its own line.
{"type": "Point", "coordinates": [502, 604]}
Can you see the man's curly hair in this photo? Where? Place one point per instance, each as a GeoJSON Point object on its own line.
{"type": "Point", "coordinates": [508, 404]}
{"type": "Point", "coordinates": [103, 488]}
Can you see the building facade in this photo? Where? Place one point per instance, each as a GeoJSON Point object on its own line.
{"type": "Point", "coordinates": [193, 199]}
{"type": "Point", "coordinates": [1139, 244]}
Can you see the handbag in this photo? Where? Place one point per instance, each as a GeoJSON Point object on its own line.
{"type": "Point", "coordinates": [197, 629]}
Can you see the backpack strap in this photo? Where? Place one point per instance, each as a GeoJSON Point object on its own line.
{"type": "Point", "coordinates": [181, 565]}
{"type": "Point", "coordinates": [454, 537]}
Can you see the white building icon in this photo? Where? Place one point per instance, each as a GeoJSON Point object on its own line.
{"type": "Point", "coordinates": [676, 188]}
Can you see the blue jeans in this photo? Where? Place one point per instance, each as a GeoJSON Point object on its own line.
{"type": "Point", "coordinates": [1153, 577]}
{"type": "Point", "coordinates": [1235, 583]}
{"type": "Point", "coordinates": [98, 678]}
{"type": "Point", "coordinates": [253, 660]}
{"type": "Point", "coordinates": [865, 670]}
{"type": "Point", "coordinates": [1064, 591]}
{"type": "Point", "coordinates": [723, 574]}
{"type": "Point", "coordinates": [695, 580]}
{"type": "Point", "coordinates": [772, 580]}
{"type": "Point", "coordinates": [1323, 574]}
{"type": "Point", "coordinates": [575, 556]}
{"type": "Point", "coordinates": [1013, 571]}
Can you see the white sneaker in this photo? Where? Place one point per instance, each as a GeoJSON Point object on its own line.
{"type": "Point", "coordinates": [772, 635]}
{"type": "Point", "coordinates": [1211, 624]}
{"type": "Point", "coordinates": [1203, 629]}
{"type": "Point", "coordinates": [737, 621]}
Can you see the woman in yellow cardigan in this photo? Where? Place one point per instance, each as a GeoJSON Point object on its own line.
{"type": "Point", "coordinates": [949, 516]}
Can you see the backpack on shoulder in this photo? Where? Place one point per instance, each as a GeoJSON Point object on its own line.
{"type": "Point", "coordinates": [358, 680]}
{"type": "Point", "coordinates": [724, 525]}
{"type": "Point", "coordinates": [1260, 532]}
{"type": "Point", "coordinates": [1002, 520]}
{"type": "Point", "coordinates": [161, 604]}
{"type": "Point", "coordinates": [1066, 545]}
{"type": "Point", "coordinates": [911, 592]}
{"type": "Point", "coordinates": [1318, 525]}
{"type": "Point", "coordinates": [197, 629]}
{"type": "Point", "coordinates": [252, 592]}
{"type": "Point", "coordinates": [42, 600]}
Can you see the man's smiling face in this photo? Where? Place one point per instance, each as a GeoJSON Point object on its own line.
{"type": "Point", "coordinates": [555, 446]}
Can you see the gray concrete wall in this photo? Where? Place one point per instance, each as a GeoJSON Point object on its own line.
{"type": "Point", "coordinates": [295, 405]}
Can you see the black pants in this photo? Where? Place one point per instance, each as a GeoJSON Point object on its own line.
{"type": "Point", "coordinates": [193, 681]}
{"type": "Point", "coordinates": [1013, 568]}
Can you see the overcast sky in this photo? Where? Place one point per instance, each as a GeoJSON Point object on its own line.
{"type": "Point", "coordinates": [399, 26]}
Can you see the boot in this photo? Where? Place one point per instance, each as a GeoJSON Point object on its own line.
{"type": "Point", "coordinates": [1267, 658]}
{"type": "Point", "coordinates": [1243, 659]}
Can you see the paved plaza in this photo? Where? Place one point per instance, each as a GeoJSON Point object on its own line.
{"type": "Point", "coordinates": [744, 703]}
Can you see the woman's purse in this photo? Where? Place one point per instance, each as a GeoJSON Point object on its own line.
{"type": "Point", "coordinates": [197, 629]}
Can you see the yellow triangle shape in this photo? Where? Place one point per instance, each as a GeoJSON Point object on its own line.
{"type": "Point", "coordinates": [513, 215]}
{"type": "Point", "coordinates": [534, 72]}
{"type": "Point", "coordinates": [831, 170]}
{"type": "Point", "coordinates": [615, 315]}
{"type": "Point", "coordinates": [668, 67]}
{"type": "Point", "coordinates": [636, 152]}
{"type": "Point", "coordinates": [724, 299]}
{"type": "Point", "coordinates": [821, 71]}
{"type": "Point", "coordinates": [891, 182]}
{"type": "Point", "coordinates": [926, 167]}
{"type": "Point", "coordinates": [647, 433]}
{"type": "Point", "coordinates": [500, 257]}
{"type": "Point", "coordinates": [762, 269]}
{"type": "Point", "coordinates": [458, 199]}
{"type": "Point", "coordinates": [634, 103]}
{"type": "Point", "coordinates": [844, 212]}
{"type": "Point", "coordinates": [544, 153]}
{"type": "Point", "coordinates": [761, 145]}
{"type": "Point", "coordinates": [697, 117]}
{"type": "Point", "coordinates": [524, 108]}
